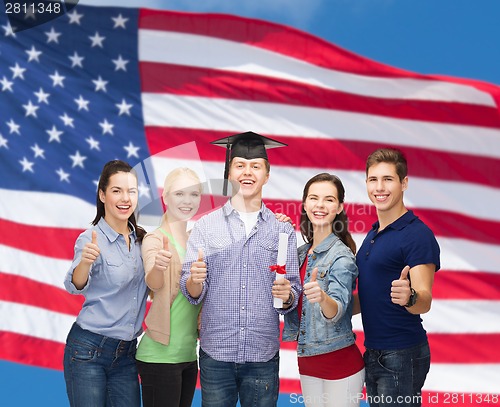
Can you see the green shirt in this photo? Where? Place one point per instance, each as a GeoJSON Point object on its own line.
{"type": "Point", "coordinates": [183, 336]}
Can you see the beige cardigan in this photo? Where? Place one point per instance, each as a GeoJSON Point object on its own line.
{"type": "Point", "coordinates": [158, 317]}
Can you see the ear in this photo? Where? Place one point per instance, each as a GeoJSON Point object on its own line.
{"type": "Point", "coordinates": [340, 209]}
{"type": "Point", "coordinates": [164, 198]}
{"type": "Point", "coordinates": [267, 179]}
{"type": "Point", "coordinates": [102, 196]}
{"type": "Point", "coordinates": [404, 184]}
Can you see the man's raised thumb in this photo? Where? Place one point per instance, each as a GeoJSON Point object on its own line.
{"type": "Point", "coordinates": [200, 254]}
{"type": "Point", "coordinates": [404, 273]}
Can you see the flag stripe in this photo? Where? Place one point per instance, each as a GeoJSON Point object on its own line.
{"type": "Point", "coordinates": [464, 378]}
{"type": "Point", "coordinates": [53, 210]}
{"type": "Point", "coordinates": [451, 284]}
{"type": "Point", "coordinates": [424, 193]}
{"type": "Point", "coordinates": [192, 112]}
{"type": "Point", "coordinates": [182, 47]}
{"type": "Point", "coordinates": [45, 246]}
{"type": "Point", "coordinates": [25, 291]}
{"type": "Point", "coordinates": [30, 350]}
{"type": "Point", "coordinates": [194, 81]}
{"type": "Point", "coordinates": [342, 154]}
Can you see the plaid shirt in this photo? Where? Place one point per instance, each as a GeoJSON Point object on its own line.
{"type": "Point", "coordinates": [238, 321]}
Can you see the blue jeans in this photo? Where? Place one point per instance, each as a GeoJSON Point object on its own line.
{"type": "Point", "coordinates": [256, 383]}
{"type": "Point", "coordinates": [100, 371]}
{"type": "Point", "coordinates": [396, 377]}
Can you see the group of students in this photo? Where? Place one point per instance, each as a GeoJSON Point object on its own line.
{"type": "Point", "coordinates": [215, 283]}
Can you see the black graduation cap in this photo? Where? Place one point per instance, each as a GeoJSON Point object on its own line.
{"type": "Point", "coordinates": [248, 145]}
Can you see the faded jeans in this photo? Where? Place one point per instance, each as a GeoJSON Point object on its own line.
{"type": "Point", "coordinates": [100, 371]}
{"type": "Point", "coordinates": [396, 377]}
{"type": "Point", "coordinates": [256, 383]}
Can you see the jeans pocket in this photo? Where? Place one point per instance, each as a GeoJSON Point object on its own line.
{"type": "Point", "coordinates": [391, 361]}
{"type": "Point", "coordinates": [80, 352]}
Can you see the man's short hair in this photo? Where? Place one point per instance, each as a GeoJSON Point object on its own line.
{"type": "Point", "coordinates": [391, 156]}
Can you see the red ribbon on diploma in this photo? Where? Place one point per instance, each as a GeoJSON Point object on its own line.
{"type": "Point", "coordinates": [279, 269]}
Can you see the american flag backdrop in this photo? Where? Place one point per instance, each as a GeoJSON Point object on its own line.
{"type": "Point", "coordinates": [155, 87]}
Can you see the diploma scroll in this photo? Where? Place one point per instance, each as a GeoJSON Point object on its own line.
{"type": "Point", "coordinates": [281, 262]}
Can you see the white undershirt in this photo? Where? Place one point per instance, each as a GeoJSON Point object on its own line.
{"type": "Point", "coordinates": [249, 219]}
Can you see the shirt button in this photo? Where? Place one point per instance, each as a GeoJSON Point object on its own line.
{"type": "Point", "coordinates": [241, 329]}
{"type": "Point", "coordinates": [244, 286]}
{"type": "Point", "coordinates": [243, 307]}
{"type": "Point", "coordinates": [372, 241]}
{"type": "Point", "coordinates": [244, 265]}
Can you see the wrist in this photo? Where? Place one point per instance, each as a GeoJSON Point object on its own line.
{"type": "Point", "coordinates": [290, 299]}
{"type": "Point", "coordinates": [413, 298]}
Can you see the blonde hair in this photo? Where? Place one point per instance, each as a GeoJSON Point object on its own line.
{"type": "Point", "coordinates": [175, 174]}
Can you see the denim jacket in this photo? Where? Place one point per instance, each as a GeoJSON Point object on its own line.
{"type": "Point", "coordinates": [337, 273]}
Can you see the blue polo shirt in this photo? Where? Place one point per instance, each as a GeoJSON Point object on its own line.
{"type": "Point", "coordinates": [380, 259]}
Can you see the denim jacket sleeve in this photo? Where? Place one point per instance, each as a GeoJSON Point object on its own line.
{"type": "Point", "coordinates": [342, 275]}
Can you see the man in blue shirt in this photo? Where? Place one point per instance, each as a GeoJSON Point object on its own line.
{"type": "Point", "coordinates": [396, 263]}
{"type": "Point", "coordinates": [227, 266]}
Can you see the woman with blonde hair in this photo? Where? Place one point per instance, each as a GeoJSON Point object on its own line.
{"type": "Point", "coordinates": [166, 356]}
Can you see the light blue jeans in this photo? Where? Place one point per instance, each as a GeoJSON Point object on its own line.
{"type": "Point", "coordinates": [395, 377]}
{"type": "Point", "coordinates": [100, 371]}
{"type": "Point", "coordinates": [256, 383]}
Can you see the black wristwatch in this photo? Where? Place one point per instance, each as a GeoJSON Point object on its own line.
{"type": "Point", "coordinates": [413, 299]}
{"type": "Point", "coordinates": [289, 300]}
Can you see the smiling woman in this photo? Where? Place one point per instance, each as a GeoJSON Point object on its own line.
{"type": "Point", "coordinates": [166, 356]}
{"type": "Point", "coordinates": [107, 269]}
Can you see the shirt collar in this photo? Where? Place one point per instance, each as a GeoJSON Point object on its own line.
{"type": "Point", "coordinates": [110, 233]}
{"type": "Point", "coordinates": [327, 243]}
{"type": "Point", "coordinates": [264, 214]}
{"type": "Point", "coordinates": [399, 223]}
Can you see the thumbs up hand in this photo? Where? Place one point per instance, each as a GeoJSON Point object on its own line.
{"type": "Point", "coordinates": [162, 258]}
{"type": "Point", "coordinates": [199, 269]}
{"type": "Point", "coordinates": [90, 251]}
{"type": "Point", "coordinates": [312, 290]}
{"type": "Point", "coordinates": [400, 289]}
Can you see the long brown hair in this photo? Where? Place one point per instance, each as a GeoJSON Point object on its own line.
{"type": "Point", "coordinates": [340, 225]}
{"type": "Point", "coordinates": [110, 169]}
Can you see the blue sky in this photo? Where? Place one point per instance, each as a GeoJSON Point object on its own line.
{"type": "Point", "coordinates": [449, 37]}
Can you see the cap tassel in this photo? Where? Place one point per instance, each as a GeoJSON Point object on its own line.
{"type": "Point", "coordinates": [226, 169]}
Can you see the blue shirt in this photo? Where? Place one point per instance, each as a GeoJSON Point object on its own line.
{"type": "Point", "coordinates": [115, 293]}
{"type": "Point", "coordinates": [238, 321]}
{"type": "Point", "coordinates": [380, 259]}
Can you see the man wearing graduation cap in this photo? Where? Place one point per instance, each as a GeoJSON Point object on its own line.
{"type": "Point", "coordinates": [227, 266]}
